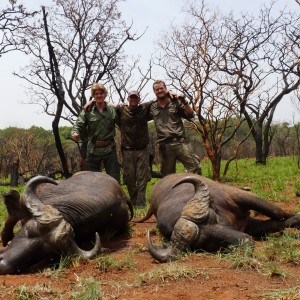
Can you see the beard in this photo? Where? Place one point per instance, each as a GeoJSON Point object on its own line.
{"type": "Point", "coordinates": [162, 95]}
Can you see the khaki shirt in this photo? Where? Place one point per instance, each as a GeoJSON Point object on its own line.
{"type": "Point", "coordinates": [100, 126]}
{"type": "Point", "coordinates": [134, 125]}
{"type": "Point", "coordinates": [168, 120]}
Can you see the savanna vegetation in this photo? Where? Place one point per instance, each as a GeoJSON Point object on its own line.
{"type": "Point", "coordinates": [130, 272]}
{"type": "Point", "coordinates": [35, 152]}
{"type": "Point", "coordinates": [234, 70]}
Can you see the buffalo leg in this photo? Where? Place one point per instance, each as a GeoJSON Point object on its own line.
{"type": "Point", "coordinates": [260, 228]}
{"type": "Point", "coordinates": [217, 236]}
{"type": "Point", "coordinates": [253, 202]}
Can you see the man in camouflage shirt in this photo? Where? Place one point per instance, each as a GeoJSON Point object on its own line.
{"type": "Point", "coordinates": [100, 123]}
{"type": "Point", "coordinates": [133, 123]}
{"type": "Point", "coordinates": [134, 144]}
{"type": "Point", "coordinates": [167, 112]}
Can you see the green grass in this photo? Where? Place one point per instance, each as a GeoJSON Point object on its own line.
{"type": "Point", "coordinates": [59, 269]}
{"type": "Point", "coordinates": [266, 180]}
{"type": "Point", "coordinates": [277, 249]}
{"type": "Point", "coordinates": [87, 289]}
{"type": "Point", "coordinates": [240, 257]}
{"type": "Point", "coordinates": [107, 263]}
{"type": "Point", "coordinates": [167, 272]}
{"type": "Point", "coordinates": [297, 188]}
{"type": "Point", "coordinates": [283, 247]}
{"type": "Point", "coordinates": [282, 294]}
{"type": "Point", "coordinates": [270, 181]}
{"type": "Point", "coordinates": [38, 291]}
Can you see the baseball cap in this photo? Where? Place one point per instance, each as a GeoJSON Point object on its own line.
{"type": "Point", "coordinates": [136, 93]}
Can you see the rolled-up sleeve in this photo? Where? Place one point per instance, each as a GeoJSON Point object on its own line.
{"type": "Point", "coordinates": [80, 123]}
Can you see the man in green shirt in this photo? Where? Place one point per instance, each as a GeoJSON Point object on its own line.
{"type": "Point", "coordinates": [99, 122]}
{"type": "Point", "coordinates": [133, 123]}
{"type": "Point", "coordinates": [167, 112]}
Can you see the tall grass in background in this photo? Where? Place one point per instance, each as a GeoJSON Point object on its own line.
{"type": "Point", "coordinates": [278, 180]}
{"type": "Point", "coordinates": [275, 181]}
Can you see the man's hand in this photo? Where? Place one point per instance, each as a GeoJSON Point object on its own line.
{"type": "Point", "coordinates": [180, 98]}
{"type": "Point", "coordinates": [75, 137]}
{"type": "Point", "coordinates": [172, 95]}
{"type": "Point", "coordinates": [88, 105]}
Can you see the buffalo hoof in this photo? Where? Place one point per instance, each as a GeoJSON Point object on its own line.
{"type": "Point", "coordinates": [293, 222]}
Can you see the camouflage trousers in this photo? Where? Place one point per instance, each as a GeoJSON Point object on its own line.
{"type": "Point", "coordinates": [136, 174]}
{"type": "Point", "coordinates": [109, 161]}
{"type": "Point", "coordinates": [181, 151]}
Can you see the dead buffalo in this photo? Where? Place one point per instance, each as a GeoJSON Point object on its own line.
{"type": "Point", "coordinates": [58, 215]}
{"type": "Point", "coordinates": [197, 213]}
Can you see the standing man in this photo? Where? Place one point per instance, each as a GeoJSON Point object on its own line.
{"type": "Point", "coordinates": [167, 112]}
{"type": "Point", "coordinates": [133, 123]}
{"type": "Point", "coordinates": [100, 123]}
{"type": "Point", "coordinates": [135, 147]}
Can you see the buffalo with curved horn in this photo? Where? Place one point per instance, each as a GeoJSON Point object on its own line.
{"type": "Point", "coordinates": [56, 216]}
{"type": "Point", "coordinates": [195, 212]}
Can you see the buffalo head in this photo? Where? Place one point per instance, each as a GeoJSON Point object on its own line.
{"type": "Point", "coordinates": [187, 229]}
{"type": "Point", "coordinates": [43, 233]}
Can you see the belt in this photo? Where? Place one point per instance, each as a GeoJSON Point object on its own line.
{"type": "Point", "coordinates": [172, 140]}
{"type": "Point", "coordinates": [103, 144]}
{"type": "Point", "coordinates": [133, 148]}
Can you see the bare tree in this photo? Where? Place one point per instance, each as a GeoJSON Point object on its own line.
{"type": "Point", "coordinates": [262, 57]}
{"type": "Point", "coordinates": [282, 138]}
{"type": "Point", "coordinates": [88, 39]}
{"type": "Point", "coordinates": [57, 86]}
{"type": "Point", "coordinates": [85, 40]}
{"type": "Point", "coordinates": [190, 56]}
{"type": "Point", "coordinates": [12, 19]}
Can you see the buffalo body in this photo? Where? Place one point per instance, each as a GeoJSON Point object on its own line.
{"type": "Point", "coordinates": [59, 216]}
{"type": "Point", "coordinates": [195, 212]}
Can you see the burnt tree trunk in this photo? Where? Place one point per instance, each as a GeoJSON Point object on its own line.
{"type": "Point", "coordinates": [14, 174]}
{"type": "Point", "coordinates": [60, 94]}
{"type": "Point", "coordinates": [259, 153]}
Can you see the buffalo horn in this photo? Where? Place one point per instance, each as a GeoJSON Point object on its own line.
{"type": "Point", "coordinates": [38, 209]}
{"type": "Point", "coordinates": [197, 209]}
{"type": "Point", "coordinates": [74, 249]}
{"type": "Point", "coordinates": [32, 202]}
{"type": "Point", "coordinates": [159, 253]}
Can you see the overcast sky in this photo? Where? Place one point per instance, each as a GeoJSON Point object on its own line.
{"type": "Point", "coordinates": [154, 14]}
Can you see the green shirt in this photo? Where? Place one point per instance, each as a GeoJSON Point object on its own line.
{"type": "Point", "coordinates": [99, 125]}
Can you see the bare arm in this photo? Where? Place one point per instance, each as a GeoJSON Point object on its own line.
{"type": "Point", "coordinates": [187, 108]}
{"type": "Point", "coordinates": [88, 105]}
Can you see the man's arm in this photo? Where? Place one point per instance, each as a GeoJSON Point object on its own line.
{"type": "Point", "coordinates": [187, 108]}
{"type": "Point", "coordinates": [78, 126]}
{"type": "Point", "coordinates": [88, 105]}
{"type": "Point", "coordinates": [185, 105]}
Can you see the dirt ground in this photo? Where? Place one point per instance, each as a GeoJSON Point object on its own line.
{"type": "Point", "coordinates": [138, 276]}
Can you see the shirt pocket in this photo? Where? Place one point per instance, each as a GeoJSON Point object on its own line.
{"type": "Point", "coordinates": [173, 109]}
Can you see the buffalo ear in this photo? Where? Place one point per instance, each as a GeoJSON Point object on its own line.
{"type": "Point", "coordinates": [12, 201]}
